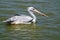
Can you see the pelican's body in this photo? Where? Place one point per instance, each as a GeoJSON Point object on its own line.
{"type": "Point", "coordinates": [24, 19]}
{"type": "Point", "coordinates": [20, 19]}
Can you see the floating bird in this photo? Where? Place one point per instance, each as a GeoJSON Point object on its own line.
{"type": "Point", "coordinates": [24, 19]}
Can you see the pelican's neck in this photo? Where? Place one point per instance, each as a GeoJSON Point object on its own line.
{"type": "Point", "coordinates": [34, 17]}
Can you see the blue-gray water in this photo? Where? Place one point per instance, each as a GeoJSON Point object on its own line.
{"type": "Point", "coordinates": [46, 28]}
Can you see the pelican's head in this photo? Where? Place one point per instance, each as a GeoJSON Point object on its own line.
{"type": "Point", "coordinates": [32, 9]}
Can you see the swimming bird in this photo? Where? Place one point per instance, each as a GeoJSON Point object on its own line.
{"type": "Point", "coordinates": [24, 19]}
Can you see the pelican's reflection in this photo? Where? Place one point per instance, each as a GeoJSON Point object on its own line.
{"type": "Point", "coordinates": [21, 27]}
{"type": "Point", "coordinates": [22, 31]}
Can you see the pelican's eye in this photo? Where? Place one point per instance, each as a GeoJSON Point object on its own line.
{"type": "Point", "coordinates": [33, 9]}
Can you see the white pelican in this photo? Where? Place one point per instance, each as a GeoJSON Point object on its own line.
{"type": "Point", "coordinates": [24, 19]}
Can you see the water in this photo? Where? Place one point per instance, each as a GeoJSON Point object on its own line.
{"type": "Point", "coordinates": [46, 28]}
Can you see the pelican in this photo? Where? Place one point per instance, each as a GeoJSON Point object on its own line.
{"type": "Point", "coordinates": [24, 19]}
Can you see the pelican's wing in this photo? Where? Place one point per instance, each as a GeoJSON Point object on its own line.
{"type": "Point", "coordinates": [21, 19]}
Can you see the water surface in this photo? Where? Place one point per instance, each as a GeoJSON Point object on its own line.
{"type": "Point", "coordinates": [46, 28]}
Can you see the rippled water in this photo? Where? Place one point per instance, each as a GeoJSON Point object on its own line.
{"type": "Point", "coordinates": [46, 28]}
